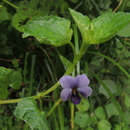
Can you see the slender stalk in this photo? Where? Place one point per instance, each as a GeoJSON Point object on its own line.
{"type": "Point", "coordinates": [39, 95]}
{"type": "Point", "coordinates": [77, 58]}
{"type": "Point", "coordinates": [10, 101]}
{"type": "Point", "coordinates": [72, 116]}
{"type": "Point", "coordinates": [42, 94]}
{"type": "Point", "coordinates": [11, 4]}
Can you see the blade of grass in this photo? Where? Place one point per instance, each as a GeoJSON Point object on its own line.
{"type": "Point", "coordinates": [96, 5]}
{"type": "Point", "coordinates": [32, 74]}
{"type": "Point", "coordinates": [25, 66]}
{"type": "Point", "coordinates": [54, 93]}
{"type": "Point", "coordinates": [61, 117]}
{"type": "Point", "coordinates": [54, 106]}
{"type": "Point", "coordinates": [49, 59]}
{"type": "Point", "coordinates": [49, 69]}
{"type": "Point", "coordinates": [55, 122]}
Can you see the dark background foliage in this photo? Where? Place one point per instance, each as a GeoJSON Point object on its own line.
{"type": "Point", "coordinates": [37, 67]}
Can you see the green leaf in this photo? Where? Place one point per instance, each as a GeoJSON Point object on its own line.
{"type": "Point", "coordinates": [117, 127]}
{"type": "Point", "coordinates": [93, 118]}
{"type": "Point", "coordinates": [27, 110]}
{"type": "Point", "coordinates": [65, 61]}
{"type": "Point", "coordinates": [100, 113]}
{"type": "Point", "coordinates": [15, 79]}
{"type": "Point", "coordinates": [107, 25]}
{"type": "Point", "coordinates": [104, 125]}
{"type": "Point", "coordinates": [83, 22]}
{"type": "Point", "coordinates": [50, 30]}
{"type": "Point", "coordinates": [111, 110]}
{"type": "Point", "coordinates": [4, 72]}
{"type": "Point", "coordinates": [89, 128]}
{"type": "Point", "coordinates": [127, 117]}
{"type": "Point", "coordinates": [21, 17]}
{"type": "Point", "coordinates": [26, 11]}
{"type": "Point", "coordinates": [83, 106]}
{"type": "Point", "coordinates": [82, 119]}
{"type": "Point", "coordinates": [3, 90]}
{"type": "Point", "coordinates": [125, 32]}
{"type": "Point", "coordinates": [115, 90]}
{"type": "Point", "coordinates": [4, 15]}
{"type": "Point", "coordinates": [102, 28]}
{"type": "Point", "coordinates": [9, 77]}
{"type": "Point", "coordinates": [127, 100]}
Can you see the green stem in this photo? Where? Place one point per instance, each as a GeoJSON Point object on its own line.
{"type": "Point", "coordinates": [77, 58]}
{"type": "Point", "coordinates": [10, 101]}
{"type": "Point", "coordinates": [72, 116]}
{"type": "Point", "coordinates": [11, 4]}
{"type": "Point", "coordinates": [42, 94]}
{"type": "Point", "coordinates": [111, 60]}
{"type": "Point", "coordinates": [39, 95]}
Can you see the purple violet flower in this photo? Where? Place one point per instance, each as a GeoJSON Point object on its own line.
{"type": "Point", "coordinates": [73, 87]}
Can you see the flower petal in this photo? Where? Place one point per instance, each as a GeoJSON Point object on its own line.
{"type": "Point", "coordinates": [67, 81]}
{"type": "Point", "coordinates": [85, 91]}
{"type": "Point", "coordinates": [66, 93]}
{"type": "Point", "coordinates": [76, 99]}
{"type": "Point", "coordinates": [82, 80]}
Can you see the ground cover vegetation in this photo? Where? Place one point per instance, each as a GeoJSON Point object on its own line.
{"type": "Point", "coordinates": [64, 64]}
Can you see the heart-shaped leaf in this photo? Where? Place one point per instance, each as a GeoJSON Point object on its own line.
{"type": "Point", "coordinates": [27, 110]}
{"type": "Point", "coordinates": [50, 30]}
{"type": "Point", "coordinates": [102, 28]}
